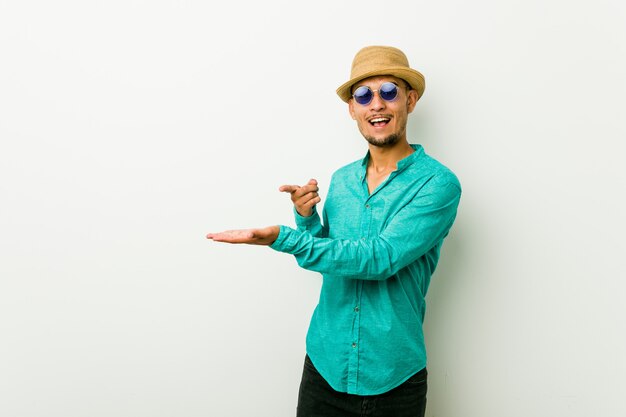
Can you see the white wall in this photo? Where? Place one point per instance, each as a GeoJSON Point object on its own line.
{"type": "Point", "coordinates": [129, 129]}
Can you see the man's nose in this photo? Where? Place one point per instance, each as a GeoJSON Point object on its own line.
{"type": "Point", "coordinates": [377, 103]}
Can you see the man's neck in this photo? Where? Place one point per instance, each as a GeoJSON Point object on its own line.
{"type": "Point", "coordinates": [386, 159]}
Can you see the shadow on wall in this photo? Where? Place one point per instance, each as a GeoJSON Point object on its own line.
{"type": "Point", "coordinates": [449, 282]}
{"type": "Point", "coordinates": [420, 127]}
{"type": "Point", "coordinates": [445, 292]}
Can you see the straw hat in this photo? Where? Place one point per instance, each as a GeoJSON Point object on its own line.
{"type": "Point", "coordinates": [381, 60]}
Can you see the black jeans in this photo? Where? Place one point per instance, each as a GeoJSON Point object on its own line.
{"type": "Point", "coordinates": [317, 399]}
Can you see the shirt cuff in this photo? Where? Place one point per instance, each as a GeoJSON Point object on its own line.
{"type": "Point", "coordinates": [285, 240]}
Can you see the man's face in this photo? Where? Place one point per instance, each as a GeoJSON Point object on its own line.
{"type": "Point", "coordinates": [383, 123]}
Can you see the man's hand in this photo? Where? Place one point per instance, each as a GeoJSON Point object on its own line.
{"type": "Point", "coordinates": [304, 198]}
{"type": "Point", "coordinates": [265, 236]}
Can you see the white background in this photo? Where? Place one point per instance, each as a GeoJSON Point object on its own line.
{"type": "Point", "coordinates": [130, 129]}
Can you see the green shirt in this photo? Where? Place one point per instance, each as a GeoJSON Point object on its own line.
{"type": "Point", "coordinates": [377, 253]}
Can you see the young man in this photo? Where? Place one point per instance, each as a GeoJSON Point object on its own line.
{"type": "Point", "coordinates": [377, 245]}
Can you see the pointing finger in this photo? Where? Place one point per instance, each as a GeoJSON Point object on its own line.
{"type": "Point", "coordinates": [288, 188]}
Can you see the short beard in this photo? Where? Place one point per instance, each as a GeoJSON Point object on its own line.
{"type": "Point", "coordinates": [387, 142]}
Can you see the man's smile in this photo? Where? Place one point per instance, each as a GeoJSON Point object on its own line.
{"type": "Point", "coordinates": [379, 120]}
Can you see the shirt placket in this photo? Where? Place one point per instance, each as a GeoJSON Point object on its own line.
{"type": "Point", "coordinates": [353, 361]}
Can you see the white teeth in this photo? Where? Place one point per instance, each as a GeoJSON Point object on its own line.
{"type": "Point", "coordinates": [379, 119]}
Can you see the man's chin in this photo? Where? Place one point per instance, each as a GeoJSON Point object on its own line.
{"type": "Point", "coordinates": [384, 142]}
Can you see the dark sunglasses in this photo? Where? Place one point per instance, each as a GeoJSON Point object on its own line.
{"type": "Point", "coordinates": [364, 95]}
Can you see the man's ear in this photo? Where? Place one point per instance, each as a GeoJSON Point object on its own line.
{"type": "Point", "coordinates": [411, 100]}
{"type": "Point", "coordinates": [351, 109]}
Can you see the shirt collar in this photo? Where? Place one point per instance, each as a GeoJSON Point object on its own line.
{"type": "Point", "coordinates": [403, 163]}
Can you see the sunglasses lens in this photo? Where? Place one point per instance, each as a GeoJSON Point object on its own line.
{"type": "Point", "coordinates": [388, 91]}
{"type": "Point", "coordinates": [363, 95]}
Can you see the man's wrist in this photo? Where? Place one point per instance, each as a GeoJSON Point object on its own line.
{"type": "Point", "coordinates": [279, 242]}
{"type": "Point", "coordinates": [303, 218]}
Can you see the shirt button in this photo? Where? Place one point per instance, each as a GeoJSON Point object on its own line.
{"type": "Point", "coordinates": [356, 309]}
{"type": "Point", "coordinates": [354, 345]}
{"type": "Point", "coordinates": [367, 206]}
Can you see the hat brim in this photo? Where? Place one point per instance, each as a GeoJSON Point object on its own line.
{"type": "Point", "coordinates": [411, 76]}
